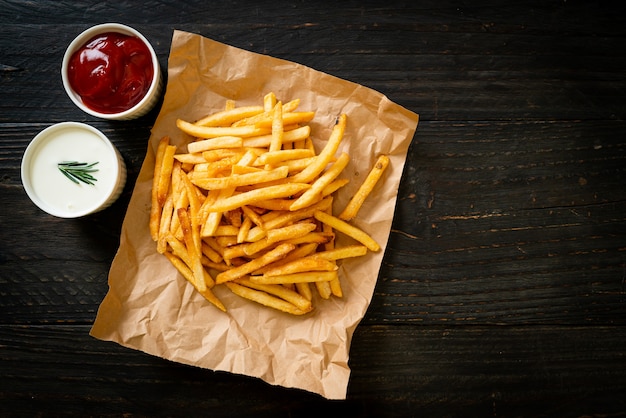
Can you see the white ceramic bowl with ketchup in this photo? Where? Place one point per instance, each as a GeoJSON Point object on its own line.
{"type": "Point", "coordinates": [111, 71]}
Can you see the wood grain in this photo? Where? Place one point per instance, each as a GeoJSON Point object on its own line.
{"type": "Point", "coordinates": [482, 371]}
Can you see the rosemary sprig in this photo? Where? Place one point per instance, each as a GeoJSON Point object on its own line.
{"type": "Point", "coordinates": [78, 172]}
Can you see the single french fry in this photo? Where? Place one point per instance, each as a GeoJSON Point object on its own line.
{"type": "Point", "coordinates": [339, 253]}
{"type": "Point", "coordinates": [255, 264]}
{"type": "Point", "coordinates": [289, 232]}
{"type": "Point", "coordinates": [291, 118]}
{"type": "Point", "coordinates": [203, 212]}
{"type": "Point", "coordinates": [252, 120]}
{"type": "Point", "coordinates": [254, 217]}
{"type": "Point", "coordinates": [335, 284]}
{"type": "Point", "coordinates": [195, 252]}
{"type": "Point", "coordinates": [325, 156]}
{"type": "Point", "coordinates": [214, 143]}
{"type": "Point", "coordinates": [244, 169]}
{"type": "Point", "coordinates": [184, 270]}
{"type": "Point", "coordinates": [334, 186]}
{"type": "Point", "coordinates": [281, 291]}
{"type": "Point", "coordinates": [226, 230]}
{"type": "Point", "coordinates": [289, 136]}
{"type": "Point", "coordinates": [187, 167]}
{"type": "Point", "coordinates": [304, 289]}
{"type": "Point", "coordinates": [214, 216]}
{"type": "Point", "coordinates": [229, 115]}
{"type": "Point", "coordinates": [196, 169]}
{"type": "Point", "coordinates": [226, 241]}
{"type": "Point", "coordinates": [273, 204]}
{"type": "Point", "coordinates": [308, 144]}
{"type": "Point", "coordinates": [242, 233]}
{"type": "Point", "coordinates": [302, 250]}
{"type": "Point", "coordinates": [323, 289]}
{"type": "Point", "coordinates": [280, 156]}
{"type": "Point", "coordinates": [165, 173]}
{"type": "Point", "coordinates": [211, 297]}
{"type": "Point", "coordinates": [310, 264]}
{"type": "Point", "coordinates": [235, 251]}
{"type": "Point", "coordinates": [209, 252]}
{"type": "Point", "coordinates": [285, 217]}
{"type": "Point", "coordinates": [219, 267]}
{"type": "Point", "coordinates": [166, 221]}
{"type": "Point", "coordinates": [346, 228]}
{"type": "Point", "coordinates": [264, 299]}
{"type": "Point", "coordinates": [291, 105]}
{"type": "Point", "coordinates": [214, 245]}
{"type": "Point", "coordinates": [242, 179]}
{"type": "Point", "coordinates": [190, 158]}
{"type": "Point", "coordinates": [277, 127]}
{"type": "Point", "coordinates": [298, 165]}
{"type": "Point", "coordinates": [314, 194]}
{"type": "Point", "coordinates": [353, 206]}
{"type": "Point", "coordinates": [178, 249]}
{"type": "Point", "coordinates": [218, 168]}
{"type": "Point", "coordinates": [256, 195]}
{"type": "Point", "coordinates": [269, 101]}
{"type": "Point", "coordinates": [181, 266]}
{"type": "Point", "coordinates": [249, 157]}
{"type": "Point", "coordinates": [156, 206]}
{"type": "Point", "coordinates": [302, 242]}
{"type": "Point", "coordinates": [179, 196]}
{"type": "Point", "coordinates": [216, 131]}
{"type": "Point", "coordinates": [304, 277]}
{"type": "Point", "coordinates": [250, 249]}
{"type": "Point", "coordinates": [247, 249]}
{"type": "Point", "coordinates": [230, 104]}
{"type": "Point", "coordinates": [193, 196]}
{"type": "Point", "coordinates": [220, 153]}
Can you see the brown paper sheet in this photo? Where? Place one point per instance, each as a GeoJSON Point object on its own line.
{"type": "Point", "coordinates": [151, 308]}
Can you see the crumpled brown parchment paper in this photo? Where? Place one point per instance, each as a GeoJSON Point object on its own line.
{"type": "Point", "coordinates": [151, 308]}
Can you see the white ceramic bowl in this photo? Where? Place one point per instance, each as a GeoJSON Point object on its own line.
{"type": "Point", "coordinates": [56, 194]}
{"type": "Point", "coordinates": [150, 99]}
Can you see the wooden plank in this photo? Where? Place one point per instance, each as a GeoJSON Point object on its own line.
{"type": "Point", "coordinates": [533, 16]}
{"type": "Point", "coordinates": [480, 75]}
{"type": "Point", "coordinates": [397, 371]}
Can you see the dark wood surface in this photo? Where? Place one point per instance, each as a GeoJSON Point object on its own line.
{"type": "Point", "coordinates": [502, 292]}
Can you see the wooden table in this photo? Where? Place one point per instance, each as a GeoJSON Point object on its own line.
{"type": "Point", "coordinates": [502, 291]}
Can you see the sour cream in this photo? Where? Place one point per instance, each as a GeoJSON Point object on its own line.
{"type": "Point", "coordinates": [56, 194]}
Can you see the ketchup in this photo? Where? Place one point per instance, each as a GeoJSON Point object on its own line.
{"type": "Point", "coordinates": [111, 72]}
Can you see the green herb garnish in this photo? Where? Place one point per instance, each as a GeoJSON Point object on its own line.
{"type": "Point", "coordinates": [78, 172]}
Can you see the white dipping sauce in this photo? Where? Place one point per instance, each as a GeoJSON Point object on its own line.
{"type": "Point", "coordinates": [51, 190]}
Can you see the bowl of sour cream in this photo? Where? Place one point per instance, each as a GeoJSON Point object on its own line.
{"type": "Point", "coordinates": [111, 71]}
{"type": "Point", "coordinates": [71, 169]}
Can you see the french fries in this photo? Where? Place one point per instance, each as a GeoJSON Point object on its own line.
{"type": "Point", "coordinates": [248, 206]}
{"type": "Point", "coordinates": [366, 188]}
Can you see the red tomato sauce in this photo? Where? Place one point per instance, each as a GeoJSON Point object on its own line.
{"type": "Point", "coordinates": [111, 72]}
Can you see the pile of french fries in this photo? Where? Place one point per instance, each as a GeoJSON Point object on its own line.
{"type": "Point", "coordinates": [249, 206]}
